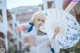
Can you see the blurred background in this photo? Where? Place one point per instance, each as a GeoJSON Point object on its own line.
{"type": "Point", "coordinates": [15, 16]}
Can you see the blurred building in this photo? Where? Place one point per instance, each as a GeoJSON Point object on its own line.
{"type": "Point", "coordinates": [24, 13]}
{"type": "Point", "coordinates": [6, 26]}
{"type": "Point", "coordinates": [3, 23]}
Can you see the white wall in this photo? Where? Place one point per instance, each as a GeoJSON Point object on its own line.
{"type": "Point", "coordinates": [3, 25]}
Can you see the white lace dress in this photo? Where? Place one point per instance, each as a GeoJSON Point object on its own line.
{"type": "Point", "coordinates": [41, 43]}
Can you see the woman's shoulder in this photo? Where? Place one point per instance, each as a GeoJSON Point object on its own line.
{"type": "Point", "coordinates": [33, 31]}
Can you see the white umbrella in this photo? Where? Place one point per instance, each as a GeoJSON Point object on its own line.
{"type": "Point", "coordinates": [69, 33]}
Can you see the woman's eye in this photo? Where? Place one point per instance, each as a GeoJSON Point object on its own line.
{"type": "Point", "coordinates": [42, 20]}
{"type": "Point", "coordinates": [38, 19]}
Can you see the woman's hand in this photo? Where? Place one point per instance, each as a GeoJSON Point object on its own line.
{"type": "Point", "coordinates": [31, 41]}
{"type": "Point", "coordinates": [56, 32]}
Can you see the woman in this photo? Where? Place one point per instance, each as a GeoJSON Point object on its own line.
{"type": "Point", "coordinates": [41, 41]}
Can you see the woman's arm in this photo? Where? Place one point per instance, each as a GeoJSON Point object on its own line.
{"type": "Point", "coordinates": [53, 36]}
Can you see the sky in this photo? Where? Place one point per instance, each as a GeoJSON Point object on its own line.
{"type": "Point", "coordinates": [16, 3]}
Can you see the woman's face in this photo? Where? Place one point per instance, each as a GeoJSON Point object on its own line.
{"type": "Point", "coordinates": [39, 22]}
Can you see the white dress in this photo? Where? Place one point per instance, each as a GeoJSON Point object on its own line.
{"type": "Point", "coordinates": [55, 45]}
{"type": "Point", "coordinates": [40, 42]}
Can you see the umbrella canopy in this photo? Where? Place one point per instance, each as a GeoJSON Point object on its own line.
{"type": "Point", "coordinates": [69, 33]}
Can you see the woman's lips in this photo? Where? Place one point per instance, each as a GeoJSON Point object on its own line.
{"type": "Point", "coordinates": [40, 24]}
